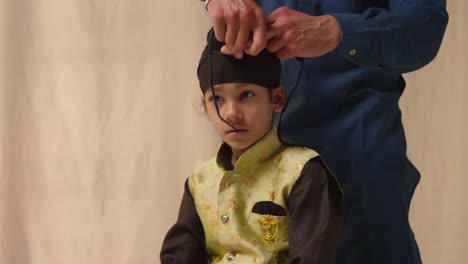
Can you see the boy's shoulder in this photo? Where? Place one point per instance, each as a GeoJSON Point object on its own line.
{"type": "Point", "coordinates": [203, 170]}
{"type": "Point", "coordinates": [295, 153]}
{"type": "Point", "coordinates": [206, 166]}
{"type": "Point", "coordinates": [307, 154]}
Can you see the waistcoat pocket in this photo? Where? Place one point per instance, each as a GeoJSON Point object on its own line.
{"type": "Point", "coordinates": [270, 231]}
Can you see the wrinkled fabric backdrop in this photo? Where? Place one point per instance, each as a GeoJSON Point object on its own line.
{"type": "Point", "coordinates": [100, 124]}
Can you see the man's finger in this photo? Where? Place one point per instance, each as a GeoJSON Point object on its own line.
{"type": "Point", "coordinates": [273, 32]}
{"type": "Point", "coordinates": [229, 50]}
{"type": "Point", "coordinates": [232, 26]}
{"type": "Point", "coordinates": [275, 22]}
{"type": "Point", "coordinates": [259, 40]}
{"type": "Point", "coordinates": [249, 43]}
{"type": "Point", "coordinates": [277, 13]}
{"type": "Point", "coordinates": [232, 50]}
{"type": "Point", "coordinates": [219, 28]}
{"type": "Point", "coordinates": [275, 28]}
{"type": "Point", "coordinates": [276, 43]}
{"type": "Point", "coordinates": [239, 55]}
{"type": "Point", "coordinates": [243, 33]}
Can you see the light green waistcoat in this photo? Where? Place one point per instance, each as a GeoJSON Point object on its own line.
{"type": "Point", "coordinates": [224, 199]}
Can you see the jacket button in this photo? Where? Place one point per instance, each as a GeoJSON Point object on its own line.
{"type": "Point", "coordinates": [231, 256]}
{"type": "Point", "coordinates": [352, 52]}
{"type": "Point", "coordinates": [225, 218]}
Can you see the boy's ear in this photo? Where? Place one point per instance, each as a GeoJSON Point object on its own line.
{"type": "Point", "coordinates": [278, 98]}
{"type": "Point", "coordinates": [202, 98]}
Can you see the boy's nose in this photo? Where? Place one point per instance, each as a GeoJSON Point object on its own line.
{"type": "Point", "coordinates": [232, 112]}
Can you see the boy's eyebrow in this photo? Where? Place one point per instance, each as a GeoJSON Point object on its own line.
{"type": "Point", "coordinates": [218, 88]}
{"type": "Point", "coordinates": [247, 85]}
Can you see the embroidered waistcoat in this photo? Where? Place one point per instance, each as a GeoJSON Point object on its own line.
{"type": "Point", "coordinates": [244, 210]}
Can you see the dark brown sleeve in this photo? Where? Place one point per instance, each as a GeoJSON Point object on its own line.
{"type": "Point", "coordinates": [316, 214]}
{"type": "Point", "coordinates": [185, 241]}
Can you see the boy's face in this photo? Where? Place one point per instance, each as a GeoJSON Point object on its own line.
{"type": "Point", "coordinates": [248, 107]}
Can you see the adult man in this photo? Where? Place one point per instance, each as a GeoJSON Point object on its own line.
{"type": "Point", "coordinates": [347, 104]}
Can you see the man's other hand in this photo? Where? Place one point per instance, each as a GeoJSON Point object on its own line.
{"type": "Point", "coordinates": [294, 34]}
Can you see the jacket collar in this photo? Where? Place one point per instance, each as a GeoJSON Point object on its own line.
{"type": "Point", "coordinates": [259, 152]}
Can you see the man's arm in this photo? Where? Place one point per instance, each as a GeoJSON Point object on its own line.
{"type": "Point", "coordinates": [404, 37]}
{"type": "Point", "coordinates": [316, 211]}
{"type": "Point", "coordinates": [185, 241]}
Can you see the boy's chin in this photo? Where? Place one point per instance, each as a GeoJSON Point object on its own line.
{"type": "Point", "coordinates": [240, 146]}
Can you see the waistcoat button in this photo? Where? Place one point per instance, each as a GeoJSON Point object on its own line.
{"type": "Point", "coordinates": [231, 256]}
{"type": "Point", "coordinates": [225, 218]}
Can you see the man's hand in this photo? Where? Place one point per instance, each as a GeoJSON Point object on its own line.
{"type": "Point", "coordinates": [239, 23]}
{"type": "Point", "coordinates": [294, 34]}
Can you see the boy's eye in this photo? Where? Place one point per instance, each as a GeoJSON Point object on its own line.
{"type": "Point", "coordinates": [246, 95]}
{"type": "Point", "coordinates": [218, 98]}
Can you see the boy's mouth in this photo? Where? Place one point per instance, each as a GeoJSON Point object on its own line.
{"type": "Point", "coordinates": [236, 132]}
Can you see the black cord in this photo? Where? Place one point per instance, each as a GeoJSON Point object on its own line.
{"type": "Point", "coordinates": [211, 81]}
{"type": "Point", "coordinates": [299, 75]}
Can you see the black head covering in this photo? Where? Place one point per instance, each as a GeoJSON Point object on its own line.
{"type": "Point", "coordinates": [263, 69]}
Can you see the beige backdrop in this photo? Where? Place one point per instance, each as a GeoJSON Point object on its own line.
{"type": "Point", "coordinates": [100, 125]}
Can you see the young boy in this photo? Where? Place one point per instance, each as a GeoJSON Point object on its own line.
{"type": "Point", "coordinates": [259, 200]}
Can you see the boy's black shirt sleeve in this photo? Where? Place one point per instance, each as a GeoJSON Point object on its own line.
{"type": "Point", "coordinates": [185, 241]}
{"type": "Point", "coordinates": [315, 207]}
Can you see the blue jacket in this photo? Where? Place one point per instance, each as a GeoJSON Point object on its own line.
{"type": "Point", "coordinates": [346, 108]}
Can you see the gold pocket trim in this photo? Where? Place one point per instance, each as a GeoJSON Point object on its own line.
{"type": "Point", "coordinates": [269, 230]}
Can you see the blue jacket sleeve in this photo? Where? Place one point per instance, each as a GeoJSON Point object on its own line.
{"type": "Point", "coordinates": [402, 36]}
